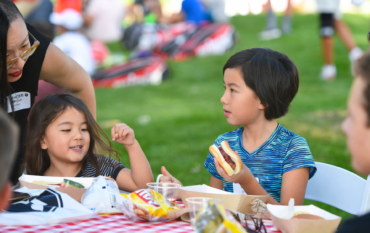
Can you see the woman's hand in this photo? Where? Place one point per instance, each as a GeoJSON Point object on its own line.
{"type": "Point", "coordinates": [123, 134]}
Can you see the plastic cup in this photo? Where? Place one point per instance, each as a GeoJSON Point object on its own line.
{"type": "Point", "coordinates": [196, 203]}
{"type": "Point", "coordinates": [168, 190]}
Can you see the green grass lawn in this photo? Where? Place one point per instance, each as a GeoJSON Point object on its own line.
{"type": "Point", "coordinates": [186, 114]}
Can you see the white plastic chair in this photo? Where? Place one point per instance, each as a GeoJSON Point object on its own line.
{"type": "Point", "coordinates": [340, 188]}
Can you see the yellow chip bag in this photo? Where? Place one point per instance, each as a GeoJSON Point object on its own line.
{"type": "Point", "coordinates": [214, 218]}
{"type": "Point", "coordinates": [146, 205]}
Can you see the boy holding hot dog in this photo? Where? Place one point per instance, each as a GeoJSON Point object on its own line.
{"type": "Point", "coordinates": [259, 86]}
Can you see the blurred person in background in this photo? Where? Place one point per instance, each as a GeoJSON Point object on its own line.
{"type": "Point", "coordinates": [8, 148]}
{"type": "Point", "coordinates": [331, 22]}
{"type": "Point", "coordinates": [39, 18]}
{"type": "Point", "coordinates": [31, 57]}
{"type": "Point", "coordinates": [192, 11]}
{"type": "Point", "coordinates": [357, 129]}
{"type": "Point", "coordinates": [70, 40]}
{"type": "Point", "coordinates": [216, 9]}
{"type": "Point", "coordinates": [26, 6]}
{"type": "Point", "coordinates": [149, 11]}
{"type": "Point", "coordinates": [271, 30]}
{"type": "Point", "coordinates": [103, 20]}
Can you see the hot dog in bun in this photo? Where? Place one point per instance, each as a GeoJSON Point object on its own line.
{"type": "Point", "coordinates": [227, 158]}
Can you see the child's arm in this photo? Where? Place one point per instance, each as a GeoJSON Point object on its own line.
{"type": "Point", "coordinates": [293, 184]}
{"type": "Point", "coordinates": [140, 173]}
{"type": "Point", "coordinates": [216, 183]}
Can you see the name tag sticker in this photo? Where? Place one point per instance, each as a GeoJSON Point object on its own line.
{"type": "Point", "coordinates": [21, 100]}
{"type": "Point", "coordinates": [238, 188]}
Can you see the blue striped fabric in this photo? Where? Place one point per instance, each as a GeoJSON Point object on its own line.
{"type": "Point", "coordinates": [282, 152]}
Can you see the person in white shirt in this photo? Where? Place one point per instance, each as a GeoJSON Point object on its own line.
{"type": "Point", "coordinates": [103, 20]}
{"type": "Point", "coordinates": [71, 41]}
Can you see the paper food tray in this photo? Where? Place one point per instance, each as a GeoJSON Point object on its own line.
{"type": "Point", "coordinates": [75, 193]}
{"type": "Point", "coordinates": [236, 202]}
{"type": "Point", "coordinates": [328, 224]}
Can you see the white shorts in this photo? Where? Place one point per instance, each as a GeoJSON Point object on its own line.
{"type": "Point", "coordinates": [329, 6]}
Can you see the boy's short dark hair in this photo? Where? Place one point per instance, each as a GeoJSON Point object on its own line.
{"type": "Point", "coordinates": [362, 70]}
{"type": "Point", "coordinates": [271, 75]}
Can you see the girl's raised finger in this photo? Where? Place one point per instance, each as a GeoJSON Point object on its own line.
{"type": "Point", "coordinates": [113, 133]}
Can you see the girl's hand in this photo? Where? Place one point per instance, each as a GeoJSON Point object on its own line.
{"type": "Point", "coordinates": [123, 134]}
{"type": "Point", "coordinates": [243, 177]}
{"type": "Point", "coordinates": [167, 177]}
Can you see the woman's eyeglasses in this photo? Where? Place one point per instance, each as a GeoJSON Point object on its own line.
{"type": "Point", "coordinates": [26, 54]}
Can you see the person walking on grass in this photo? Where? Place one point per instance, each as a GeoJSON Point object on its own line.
{"type": "Point", "coordinates": [271, 30]}
{"type": "Point", "coordinates": [331, 22]}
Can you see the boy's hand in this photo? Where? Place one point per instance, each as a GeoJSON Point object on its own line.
{"type": "Point", "coordinates": [123, 134]}
{"type": "Point", "coordinates": [167, 177]}
{"type": "Point", "coordinates": [243, 176]}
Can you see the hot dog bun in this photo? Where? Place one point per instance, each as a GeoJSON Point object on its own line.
{"type": "Point", "coordinates": [221, 160]}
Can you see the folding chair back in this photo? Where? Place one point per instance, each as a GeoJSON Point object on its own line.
{"type": "Point", "coordinates": [340, 188]}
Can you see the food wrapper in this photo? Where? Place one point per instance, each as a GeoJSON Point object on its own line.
{"type": "Point", "coordinates": [147, 205]}
{"type": "Point", "coordinates": [260, 209]}
{"type": "Point", "coordinates": [258, 206]}
{"type": "Point", "coordinates": [214, 218]}
{"type": "Point", "coordinates": [103, 196]}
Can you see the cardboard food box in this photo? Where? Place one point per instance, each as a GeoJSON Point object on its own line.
{"type": "Point", "coordinates": [75, 193]}
{"type": "Point", "coordinates": [231, 201]}
{"type": "Point", "coordinates": [329, 224]}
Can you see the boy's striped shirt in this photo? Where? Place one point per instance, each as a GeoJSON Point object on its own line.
{"type": "Point", "coordinates": [282, 152]}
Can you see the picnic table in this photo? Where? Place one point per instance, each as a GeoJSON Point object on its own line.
{"type": "Point", "coordinates": [115, 223]}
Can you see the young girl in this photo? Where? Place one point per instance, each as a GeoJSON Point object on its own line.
{"type": "Point", "coordinates": [62, 140]}
{"type": "Point", "coordinates": [259, 86]}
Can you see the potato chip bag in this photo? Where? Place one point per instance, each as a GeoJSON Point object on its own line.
{"type": "Point", "coordinates": [213, 218]}
{"type": "Point", "coordinates": [146, 205]}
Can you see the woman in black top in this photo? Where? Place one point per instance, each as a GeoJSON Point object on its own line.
{"type": "Point", "coordinates": [27, 57]}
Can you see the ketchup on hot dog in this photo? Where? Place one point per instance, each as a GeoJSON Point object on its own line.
{"type": "Point", "coordinates": [227, 158]}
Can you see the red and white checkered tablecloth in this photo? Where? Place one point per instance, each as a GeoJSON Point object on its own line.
{"type": "Point", "coordinates": [115, 223]}
{"type": "Point", "coordinates": [106, 223]}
